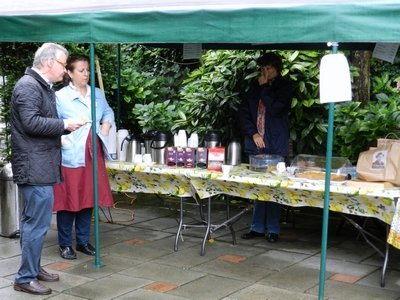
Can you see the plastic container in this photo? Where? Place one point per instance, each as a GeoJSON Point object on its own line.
{"type": "Point", "coordinates": [314, 163]}
{"type": "Point", "coordinates": [264, 162]}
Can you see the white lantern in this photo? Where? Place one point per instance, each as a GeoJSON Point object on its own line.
{"type": "Point", "coordinates": [334, 79]}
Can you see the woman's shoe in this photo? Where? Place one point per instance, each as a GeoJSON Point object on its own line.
{"type": "Point", "coordinates": [87, 249]}
{"type": "Point", "coordinates": [67, 252]}
{"type": "Point", "coordinates": [251, 235]}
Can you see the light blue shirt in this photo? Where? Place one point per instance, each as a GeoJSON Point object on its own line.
{"type": "Point", "coordinates": [72, 105]}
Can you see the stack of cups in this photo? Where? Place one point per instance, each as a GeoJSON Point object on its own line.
{"type": "Point", "coordinates": [122, 146]}
{"type": "Point", "coordinates": [182, 138]}
{"type": "Point", "coordinates": [193, 140]}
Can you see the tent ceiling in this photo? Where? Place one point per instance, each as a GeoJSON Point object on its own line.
{"type": "Point", "coordinates": [268, 46]}
{"type": "Point", "coordinates": [279, 24]}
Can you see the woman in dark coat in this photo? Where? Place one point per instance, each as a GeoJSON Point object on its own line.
{"type": "Point", "coordinates": [264, 122]}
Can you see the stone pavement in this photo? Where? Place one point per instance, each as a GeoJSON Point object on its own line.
{"type": "Point", "coordinates": [138, 261]}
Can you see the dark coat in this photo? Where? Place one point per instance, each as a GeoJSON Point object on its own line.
{"type": "Point", "coordinates": [35, 132]}
{"type": "Point", "coordinates": [277, 98]}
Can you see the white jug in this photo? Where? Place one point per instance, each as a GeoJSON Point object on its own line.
{"type": "Point", "coordinates": [121, 146]}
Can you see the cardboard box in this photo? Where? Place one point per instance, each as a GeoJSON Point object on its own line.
{"type": "Point", "coordinates": [180, 156]}
{"type": "Point", "coordinates": [370, 184]}
{"type": "Point", "coordinates": [190, 157]}
{"type": "Point", "coordinates": [170, 156]}
{"type": "Point", "coordinates": [216, 158]}
{"type": "Point", "coordinates": [201, 158]}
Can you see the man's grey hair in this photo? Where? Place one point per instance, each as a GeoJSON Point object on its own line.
{"type": "Point", "coordinates": [48, 51]}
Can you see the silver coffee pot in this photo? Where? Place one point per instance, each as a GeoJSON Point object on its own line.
{"type": "Point", "coordinates": [148, 139]}
{"type": "Point", "coordinates": [161, 140]}
{"type": "Point", "coordinates": [133, 147]}
{"type": "Point", "coordinates": [233, 153]}
{"type": "Point", "coordinates": [212, 139]}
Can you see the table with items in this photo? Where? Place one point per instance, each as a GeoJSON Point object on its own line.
{"type": "Point", "coordinates": [365, 201]}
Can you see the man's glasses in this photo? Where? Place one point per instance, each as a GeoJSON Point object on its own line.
{"type": "Point", "coordinates": [61, 63]}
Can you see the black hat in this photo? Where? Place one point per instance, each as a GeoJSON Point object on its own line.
{"type": "Point", "coordinates": [270, 59]}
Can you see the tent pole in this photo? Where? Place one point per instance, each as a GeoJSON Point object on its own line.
{"type": "Point", "coordinates": [97, 263]}
{"type": "Point", "coordinates": [118, 85]}
{"type": "Point", "coordinates": [325, 221]}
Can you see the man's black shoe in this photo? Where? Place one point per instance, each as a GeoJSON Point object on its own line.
{"type": "Point", "coordinates": [87, 249]}
{"type": "Point", "coordinates": [67, 252]}
{"type": "Point", "coordinates": [251, 235]}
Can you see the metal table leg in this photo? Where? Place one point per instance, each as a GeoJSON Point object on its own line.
{"type": "Point", "coordinates": [386, 260]}
{"type": "Point", "coordinates": [207, 233]}
{"type": "Point", "coordinates": [179, 232]}
{"type": "Point", "coordinates": [367, 235]}
{"type": "Point", "coordinates": [228, 216]}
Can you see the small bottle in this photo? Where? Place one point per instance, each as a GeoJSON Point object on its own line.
{"type": "Point", "coordinates": [142, 149]}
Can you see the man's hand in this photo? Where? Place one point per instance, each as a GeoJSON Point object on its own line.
{"type": "Point", "coordinates": [258, 140]}
{"type": "Point", "coordinates": [73, 124]}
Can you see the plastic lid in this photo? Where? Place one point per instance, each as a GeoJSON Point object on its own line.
{"type": "Point", "coordinates": [213, 135]}
{"type": "Point", "coordinates": [6, 173]}
{"type": "Point", "coordinates": [162, 136]}
{"type": "Point", "coordinates": [148, 135]}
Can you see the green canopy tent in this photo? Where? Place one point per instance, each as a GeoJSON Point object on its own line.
{"type": "Point", "coordinates": [239, 24]}
{"type": "Point", "coordinates": [201, 21]}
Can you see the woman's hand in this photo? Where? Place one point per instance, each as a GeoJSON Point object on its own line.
{"type": "Point", "coordinates": [258, 140]}
{"type": "Point", "coordinates": [263, 79]}
{"type": "Point", "coordinates": [105, 128]}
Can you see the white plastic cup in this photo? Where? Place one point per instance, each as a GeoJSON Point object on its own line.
{"type": "Point", "coordinates": [182, 137]}
{"type": "Point", "coordinates": [138, 158]}
{"type": "Point", "coordinates": [226, 169]}
{"type": "Point", "coordinates": [147, 158]}
{"type": "Point", "coordinates": [281, 167]}
{"type": "Point", "coordinates": [194, 138]}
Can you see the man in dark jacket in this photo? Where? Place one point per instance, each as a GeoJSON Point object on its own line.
{"type": "Point", "coordinates": [264, 122]}
{"type": "Point", "coordinates": [36, 158]}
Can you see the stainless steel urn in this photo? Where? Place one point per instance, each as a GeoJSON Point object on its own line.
{"type": "Point", "coordinates": [159, 144]}
{"type": "Point", "coordinates": [233, 153]}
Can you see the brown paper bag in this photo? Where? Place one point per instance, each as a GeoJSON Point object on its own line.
{"type": "Point", "coordinates": [380, 164]}
{"type": "Point", "coordinates": [383, 142]}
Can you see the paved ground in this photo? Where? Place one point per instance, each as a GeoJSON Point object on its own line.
{"type": "Point", "coordinates": [137, 259]}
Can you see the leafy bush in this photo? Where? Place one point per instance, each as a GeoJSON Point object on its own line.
{"type": "Point", "coordinates": [14, 59]}
{"type": "Point", "coordinates": [149, 77]}
{"type": "Point", "coordinates": [358, 126]}
{"type": "Point", "coordinates": [158, 116]}
{"type": "Point", "coordinates": [211, 94]}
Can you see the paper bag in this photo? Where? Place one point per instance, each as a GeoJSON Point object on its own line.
{"type": "Point", "coordinates": [384, 142]}
{"type": "Point", "coordinates": [380, 164]}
